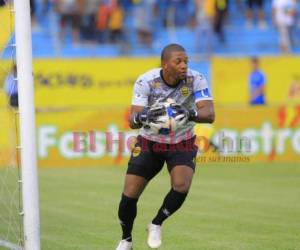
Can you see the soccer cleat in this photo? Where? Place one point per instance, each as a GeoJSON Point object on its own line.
{"type": "Point", "coordinates": [154, 236]}
{"type": "Point", "coordinates": [124, 245]}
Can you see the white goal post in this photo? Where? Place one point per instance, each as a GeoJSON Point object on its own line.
{"type": "Point", "coordinates": [31, 219]}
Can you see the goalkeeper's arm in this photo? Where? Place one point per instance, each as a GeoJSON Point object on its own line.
{"type": "Point", "coordinates": [204, 112]}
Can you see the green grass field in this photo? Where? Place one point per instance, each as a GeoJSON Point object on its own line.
{"type": "Point", "coordinates": [238, 207]}
{"type": "Point", "coordinates": [229, 207]}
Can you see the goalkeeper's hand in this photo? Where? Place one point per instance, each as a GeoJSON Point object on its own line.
{"type": "Point", "coordinates": [184, 115]}
{"type": "Point", "coordinates": [148, 114]}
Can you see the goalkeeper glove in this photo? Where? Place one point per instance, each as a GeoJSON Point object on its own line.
{"type": "Point", "coordinates": [141, 117]}
{"type": "Point", "coordinates": [148, 114]}
{"type": "Point", "coordinates": [190, 115]}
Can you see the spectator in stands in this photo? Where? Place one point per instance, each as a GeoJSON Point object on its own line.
{"type": "Point", "coordinates": [257, 83]}
{"type": "Point", "coordinates": [179, 7]}
{"type": "Point", "coordinates": [88, 20]}
{"type": "Point", "coordinates": [11, 87]}
{"type": "Point", "coordinates": [221, 10]}
{"type": "Point", "coordinates": [102, 21]}
{"type": "Point", "coordinates": [205, 14]}
{"type": "Point", "coordinates": [34, 23]}
{"type": "Point", "coordinates": [144, 11]}
{"type": "Point", "coordinates": [115, 23]}
{"type": "Point", "coordinates": [284, 18]}
{"type": "Point", "coordinates": [167, 14]}
{"type": "Point", "coordinates": [45, 6]}
{"type": "Point", "coordinates": [70, 14]}
{"type": "Point", "coordinates": [261, 14]}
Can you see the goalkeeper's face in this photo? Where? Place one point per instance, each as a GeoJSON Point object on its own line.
{"type": "Point", "coordinates": [177, 65]}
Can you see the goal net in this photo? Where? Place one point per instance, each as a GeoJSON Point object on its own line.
{"type": "Point", "coordinates": [10, 184]}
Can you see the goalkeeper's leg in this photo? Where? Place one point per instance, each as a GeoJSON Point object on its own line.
{"type": "Point", "coordinates": [181, 165]}
{"type": "Point", "coordinates": [181, 179]}
{"type": "Point", "coordinates": [142, 167]}
{"type": "Point", "coordinates": [134, 186]}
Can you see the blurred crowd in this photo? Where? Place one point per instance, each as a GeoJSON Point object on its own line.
{"type": "Point", "coordinates": [113, 21]}
{"type": "Point", "coordinates": [96, 20]}
{"type": "Point", "coordinates": [107, 20]}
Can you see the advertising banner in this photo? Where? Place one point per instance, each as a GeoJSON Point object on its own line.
{"type": "Point", "coordinates": [101, 137]}
{"type": "Point", "coordinates": [265, 134]}
{"type": "Point", "coordinates": [82, 109]}
{"type": "Point", "coordinates": [7, 25]}
{"type": "Point", "coordinates": [87, 82]}
{"type": "Point", "coordinates": [66, 83]}
{"type": "Point", "coordinates": [230, 80]}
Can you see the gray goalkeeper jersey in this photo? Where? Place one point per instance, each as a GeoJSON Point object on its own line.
{"type": "Point", "coordinates": [151, 87]}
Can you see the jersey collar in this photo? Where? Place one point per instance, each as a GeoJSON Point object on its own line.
{"type": "Point", "coordinates": [165, 82]}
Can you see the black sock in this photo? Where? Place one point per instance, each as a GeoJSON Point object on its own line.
{"type": "Point", "coordinates": [127, 213]}
{"type": "Point", "coordinates": [171, 204]}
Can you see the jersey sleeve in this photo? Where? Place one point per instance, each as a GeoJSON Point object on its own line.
{"type": "Point", "coordinates": [201, 90]}
{"type": "Point", "coordinates": [141, 93]}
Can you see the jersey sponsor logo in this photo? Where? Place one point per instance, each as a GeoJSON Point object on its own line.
{"type": "Point", "coordinates": [156, 85]}
{"type": "Point", "coordinates": [184, 91]}
{"type": "Point", "coordinates": [136, 151]}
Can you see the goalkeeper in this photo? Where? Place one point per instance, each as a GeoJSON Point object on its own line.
{"type": "Point", "coordinates": [189, 90]}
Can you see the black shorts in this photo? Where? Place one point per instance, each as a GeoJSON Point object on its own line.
{"type": "Point", "coordinates": [252, 3]}
{"type": "Point", "coordinates": [148, 157]}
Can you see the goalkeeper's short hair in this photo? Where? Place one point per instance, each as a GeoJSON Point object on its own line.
{"type": "Point", "coordinates": [170, 48]}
